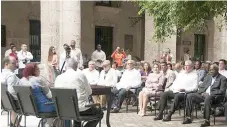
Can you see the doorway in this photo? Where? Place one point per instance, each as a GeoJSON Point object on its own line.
{"type": "Point", "coordinates": [35, 40]}
{"type": "Point", "coordinates": [199, 47]}
{"type": "Point", "coordinates": [104, 36]}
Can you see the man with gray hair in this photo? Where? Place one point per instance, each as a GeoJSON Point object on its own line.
{"type": "Point", "coordinates": [211, 91]}
{"type": "Point", "coordinates": [186, 81]}
{"type": "Point", "coordinates": [91, 73]}
{"type": "Point", "coordinates": [9, 79]}
{"type": "Point", "coordinates": [74, 79]}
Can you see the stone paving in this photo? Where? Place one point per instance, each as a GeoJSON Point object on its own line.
{"type": "Point", "coordinates": [131, 119]}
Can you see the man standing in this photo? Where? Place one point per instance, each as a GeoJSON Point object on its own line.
{"type": "Point", "coordinates": [98, 54]}
{"type": "Point", "coordinates": [9, 78]}
{"type": "Point", "coordinates": [77, 80]}
{"type": "Point", "coordinates": [76, 52]}
{"type": "Point", "coordinates": [222, 65]}
{"type": "Point", "coordinates": [131, 78]}
{"type": "Point", "coordinates": [9, 50]}
{"type": "Point", "coordinates": [24, 57]}
{"type": "Point", "coordinates": [214, 85]}
{"type": "Point", "coordinates": [186, 81]}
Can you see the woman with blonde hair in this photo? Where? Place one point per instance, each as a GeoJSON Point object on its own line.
{"type": "Point", "coordinates": [153, 84]}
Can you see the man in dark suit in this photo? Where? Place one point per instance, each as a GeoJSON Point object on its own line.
{"type": "Point", "coordinates": [214, 86]}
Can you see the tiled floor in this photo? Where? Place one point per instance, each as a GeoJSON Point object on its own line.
{"type": "Point", "coordinates": [131, 119]}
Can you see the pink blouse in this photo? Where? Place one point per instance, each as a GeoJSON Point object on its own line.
{"type": "Point", "coordinates": [154, 81]}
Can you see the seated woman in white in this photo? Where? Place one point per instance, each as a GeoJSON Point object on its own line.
{"type": "Point", "coordinates": [153, 84]}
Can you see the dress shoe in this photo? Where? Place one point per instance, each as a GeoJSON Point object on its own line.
{"type": "Point", "coordinates": [115, 110]}
{"type": "Point", "coordinates": [168, 117]}
{"type": "Point", "coordinates": [159, 117]}
{"type": "Point", "coordinates": [205, 124]}
{"type": "Point", "coordinates": [187, 121]}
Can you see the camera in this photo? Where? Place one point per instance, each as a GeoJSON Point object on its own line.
{"type": "Point", "coordinates": [25, 61]}
{"type": "Point", "coordinates": [67, 50]}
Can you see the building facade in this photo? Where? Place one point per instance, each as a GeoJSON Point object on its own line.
{"type": "Point", "coordinates": [109, 23]}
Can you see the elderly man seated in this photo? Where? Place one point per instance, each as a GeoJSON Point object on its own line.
{"type": "Point", "coordinates": [108, 77]}
{"type": "Point", "coordinates": [74, 79]}
{"type": "Point", "coordinates": [214, 85]}
{"type": "Point", "coordinates": [131, 78]}
{"type": "Point", "coordinates": [186, 81]}
{"type": "Point", "coordinates": [92, 76]}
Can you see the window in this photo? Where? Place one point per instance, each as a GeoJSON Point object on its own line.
{"type": "Point", "coordinates": [3, 36]}
{"type": "Point", "coordinates": [103, 3]}
{"type": "Point", "coordinates": [129, 42]}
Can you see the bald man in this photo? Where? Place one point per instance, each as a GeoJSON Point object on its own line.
{"type": "Point", "coordinates": [214, 85]}
{"type": "Point", "coordinates": [24, 57]}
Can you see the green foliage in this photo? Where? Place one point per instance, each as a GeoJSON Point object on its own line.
{"type": "Point", "coordinates": [169, 16]}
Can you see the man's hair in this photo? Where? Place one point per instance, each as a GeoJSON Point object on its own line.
{"type": "Point", "coordinates": [71, 63]}
{"type": "Point", "coordinates": [200, 63]}
{"type": "Point", "coordinates": [223, 61]}
{"type": "Point", "coordinates": [11, 44]}
{"type": "Point", "coordinates": [6, 60]}
{"type": "Point", "coordinates": [115, 64]}
{"type": "Point", "coordinates": [188, 62]}
{"type": "Point", "coordinates": [163, 62]}
{"type": "Point", "coordinates": [91, 62]}
{"type": "Point", "coordinates": [215, 66]}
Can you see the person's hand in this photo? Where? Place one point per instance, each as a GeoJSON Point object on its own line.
{"type": "Point", "coordinates": [118, 48]}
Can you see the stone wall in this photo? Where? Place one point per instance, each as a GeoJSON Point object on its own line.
{"type": "Point", "coordinates": [15, 16]}
{"type": "Point", "coordinates": [153, 50]}
{"type": "Point", "coordinates": [118, 18]}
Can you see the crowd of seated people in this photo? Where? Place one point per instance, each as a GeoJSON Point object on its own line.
{"type": "Point", "coordinates": [200, 80]}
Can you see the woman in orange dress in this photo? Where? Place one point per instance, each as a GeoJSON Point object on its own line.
{"type": "Point", "coordinates": [118, 56]}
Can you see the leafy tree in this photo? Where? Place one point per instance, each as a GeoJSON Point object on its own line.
{"type": "Point", "coordinates": [170, 16]}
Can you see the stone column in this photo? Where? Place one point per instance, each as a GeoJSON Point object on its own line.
{"type": "Point", "coordinates": [153, 50]}
{"type": "Point", "coordinates": [220, 39]}
{"type": "Point", "coordinates": [70, 22]}
{"type": "Point", "coordinates": [49, 27]}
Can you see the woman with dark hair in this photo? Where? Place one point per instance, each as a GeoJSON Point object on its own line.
{"type": "Point", "coordinates": [170, 67]}
{"type": "Point", "coordinates": [118, 55]}
{"type": "Point", "coordinates": [14, 55]}
{"type": "Point", "coordinates": [40, 89]}
{"type": "Point", "coordinates": [53, 68]}
{"type": "Point", "coordinates": [146, 71]}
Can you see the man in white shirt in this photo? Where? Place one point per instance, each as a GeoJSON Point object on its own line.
{"type": "Point", "coordinates": [9, 50]}
{"type": "Point", "coordinates": [98, 54]}
{"type": "Point", "coordinates": [91, 73]}
{"type": "Point", "coordinates": [222, 65]}
{"type": "Point", "coordinates": [187, 81]}
{"type": "Point", "coordinates": [131, 78]}
{"type": "Point", "coordinates": [24, 57]}
{"type": "Point", "coordinates": [211, 91]}
{"type": "Point", "coordinates": [76, 52]}
{"type": "Point", "coordinates": [77, 80]}
{"type": "Point", "coordinates": [108, 77]}
{"type": "Point", "coordinates": [9, 78]}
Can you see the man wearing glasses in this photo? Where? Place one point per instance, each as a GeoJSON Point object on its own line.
{"type": "Point", "coordinates": [131, 78]}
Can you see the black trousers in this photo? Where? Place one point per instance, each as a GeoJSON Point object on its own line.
{"type": "Point", "coordinates": [195, 98]}
{"type": "Point", "coordinates": [165, 96]}
{"type": "Point", "coordinates": [91, 111]}
{"type": "Point", "coordinates": [20, 73]}
{"type": "Point", "coordinates": [226, 111]}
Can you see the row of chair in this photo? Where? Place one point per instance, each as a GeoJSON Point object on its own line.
{"type": "Point", "coordinates": [65, 100]}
